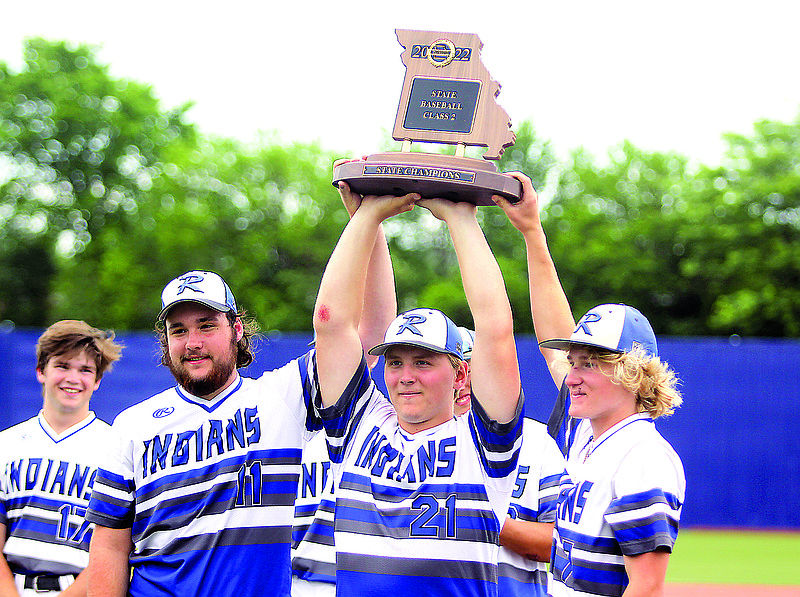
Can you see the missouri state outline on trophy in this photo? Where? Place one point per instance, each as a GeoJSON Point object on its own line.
{"type": "Point", "coordinates": [449, 97]}
{"type": "Point", "coordinates": [448, 94]}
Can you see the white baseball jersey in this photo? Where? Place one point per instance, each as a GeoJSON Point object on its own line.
{"type": "Point", "coordinates": [625, 498]}
{"type": "Point", "coordinates": [539, 473]}
{"type": "Point", "coordinates": [46, 481]}
{"type": "Point", "coordinates": [208, 486]}
{"type": "Point", "coordinates": [417, 514]}
{"type": "Point", "coordinates": [313, 551]}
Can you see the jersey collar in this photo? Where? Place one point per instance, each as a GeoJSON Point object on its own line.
{"type": "Point", "coordinates": [214, 403]}
{"type": "Point", "coordinates": [593, 444]}
{"type": "Point", "coordinates": [59, 437]}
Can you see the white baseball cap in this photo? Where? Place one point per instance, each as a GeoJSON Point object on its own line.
{"type": "Point", "coordinates": [613, 327]}
{"type": "Point", "coordinates": [426, 328]}
{"type": "Point", "coordinates": [206, 288]}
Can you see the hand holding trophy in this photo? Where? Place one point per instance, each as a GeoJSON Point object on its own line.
{"type": "Point", "coordinates": [448, 97]}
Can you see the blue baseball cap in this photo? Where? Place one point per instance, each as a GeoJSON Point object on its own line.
{"type": "Point", "coordinates": [426, 328]}
{"type": "Point", "coordinates": [206, 288]}
{"type": "Point", "coordinates": [616, 328]}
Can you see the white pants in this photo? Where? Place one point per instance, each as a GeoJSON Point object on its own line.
{"type": "Point", "coordinates": [19, 580]}
{"type": "Point", "coordinates": [306, 588]}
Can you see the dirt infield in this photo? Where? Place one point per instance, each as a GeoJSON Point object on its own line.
{"type": "Point", "coordinates": [703, 590]}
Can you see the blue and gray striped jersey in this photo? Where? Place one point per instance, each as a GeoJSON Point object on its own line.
{"type": "Point", "coordinates": [533, 499]}
{"type": "Point", "coordinates": [623, 497]}
{"type": "Point", "coordinates": [417, 513]}
{"type": "Point", "coordinates": [208, 487]}
{"type": "Point", "coordinates": [313, 550]}
{"type": "Point", "coordinates": [44, 491]}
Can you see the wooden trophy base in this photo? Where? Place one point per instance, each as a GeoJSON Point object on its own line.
{"type": "Point", "coordinates": [454, 178]}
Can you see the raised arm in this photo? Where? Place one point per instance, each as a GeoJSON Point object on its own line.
{"type": "Point", "coordinates": [380, 297]}
{"type": "Point", "coordinates": [552, 316]}
{"type": "Point", "coordinates": [338, 311]}
{"type": "Point", "coordinates": [494, 367]}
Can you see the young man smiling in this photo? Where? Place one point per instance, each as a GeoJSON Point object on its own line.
{"type": "Point", "coordinates": [202, 348]}
{"type": "Point", "coordinates": [48, 465]}
{"type": "Point", "coordinates": [197, 495]}
{"type": "Point", "coordinates": [619, 510]}
{"type": "Point", "coordinates": [421, 494]}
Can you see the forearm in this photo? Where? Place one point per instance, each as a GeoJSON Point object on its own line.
{"type": "Point", "coordinates": [7, 586]}
{"type": "Point", "coordinates": [341, 291]}
{"type": "Point", "coordinates": [642, 589]}
{"type": "Point", "coordinates": [532, 540]}
{"type": "Point", "coordinates": [494, 365]}
{"type": "Point", "coordinates": [550, 310]}
{"type": "Point", "coordinates": [338, 310]}
{"type": "Point", "coordinates": [78, 588]}
{"type": "Point", "coordinates": [552, 317]}
{"type": "Point", "coordinates": [109, 579]}
{"type": "Point", "coordinates": [481, 277]}
{"type": "Point", "coordinates": [380, 298]}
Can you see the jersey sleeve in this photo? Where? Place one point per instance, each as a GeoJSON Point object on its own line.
{"type": "Point", "coordinates": [112, 502]}
{"type": "Point", "coordinates": [307, 364]}
{"type": "Point", "coordinates": [296, 385]}
{"type": "Point", "coordinates": [342, 418]}
{"type": "Point", "coordinates": [558, 419]}
{"type": "Point", "coordinates": [561, 427]}
{"type": "Point", "coordinates": [498, 444]}
{"type": "Point", "coordinates": [649, 488]}
{"type": "Point", "coordinates": [539, 473]}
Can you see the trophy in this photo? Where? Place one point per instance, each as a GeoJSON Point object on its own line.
{"type": "Point", "coordinates": [448, 97]}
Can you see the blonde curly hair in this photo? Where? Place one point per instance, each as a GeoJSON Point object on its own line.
{"type": "Point", "coordinates": [652, 381]}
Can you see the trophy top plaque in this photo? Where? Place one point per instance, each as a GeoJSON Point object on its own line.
{"type": "Point", "coordinates": [448, 94]}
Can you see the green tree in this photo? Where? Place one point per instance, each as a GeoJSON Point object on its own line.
{"type": "Point", "coordinates": [266, 218]}
{"type": "Point", "coordinates": [77, 149]}
{"type": "Point", "coordinates": [705, 251]}
{"type": "Point", "coordinates": [743, 242]}
{"type": "Point", "coordinates": [105, 196]}
{"type": "Point", "coordinates": [616, 235]}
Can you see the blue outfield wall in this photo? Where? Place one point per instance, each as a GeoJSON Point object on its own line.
{"type": "Point", "coordinates": [737, 431]}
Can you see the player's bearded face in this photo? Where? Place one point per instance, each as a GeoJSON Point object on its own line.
{"type": "Point", "coordinates": [199, 383]}
{"type": "Point", "coordinates": [202, 348]}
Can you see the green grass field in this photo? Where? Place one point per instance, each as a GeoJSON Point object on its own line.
{"type": "Point", "coordinates": [735, 557]}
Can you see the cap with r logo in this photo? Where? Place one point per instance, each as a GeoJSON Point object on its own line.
{"type": "Point", "coordinates": [206, 288]}
{"type": "Point", "coordinates": [613, 327]}
{"type": "Point", "coordinates": [426, 328]}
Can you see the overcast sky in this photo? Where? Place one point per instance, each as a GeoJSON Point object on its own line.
{"type": "Point", "coordinates": [668, 76]}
